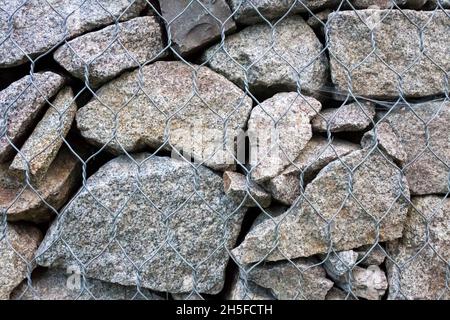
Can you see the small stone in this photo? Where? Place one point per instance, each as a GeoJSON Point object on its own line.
{"type": "Point", "coordinates": [194, 27]}
{"type": "Point", "coordinates": [350, 117]}
{"type": "Point", "coordinates": [18, 244]}
{"type": "Point", "coordinates": [20, 105]}
{"type": "Point", "coordinates": [338, 294]}
{"type": "Point", "coordinates": [279, 128]}
{"type": "Point", "coordinates": [337, 264]}
{"type": "Point", "coordinates": [370, 255]}
{"type": "Point", "coordinates": [318, 20]}
{"type": "Point", "coordinates": [247, 290]}
{"type": "Point", "coordinates": [43, 144]}
{"type": "Point", "coordinates": [235, 186]}
{"type": "Point", "coordinates": [108, 52]}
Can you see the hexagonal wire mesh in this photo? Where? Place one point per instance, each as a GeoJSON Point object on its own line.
{"type": "Point", "coordinates": [212, 149]}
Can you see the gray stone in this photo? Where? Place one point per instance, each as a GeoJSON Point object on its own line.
{"type": "Point", "coordinates": [317, 153]}
{"type": "Point", "coordinates": [172, 213]}
{"type": "Point", "coordinates": [43, 144]}
{"type": "Point", "coordinates": [110, 51]}
{"type": "Point", "coordinates": [426, 165]}
{"type": "Point", "coordinates": [18, 244]}
{"type": "Point", "coordinates": [235, 186]}
{"type": "Point", "coordinates": [38, 26]}
{"type": "Point", "coordinates": [317, 20]}
{"type": "Point", "coordinates": [20, 105]}
{"type": "Point", "coordinates": [378, 191]}
{"type": "Point", "coordinates": [247, 290]}
{"type": "Point", "coordinates": [350, 117]}
{"type": "Point", "coordinates": [145, 105]}
{"type": "Point", "coordinates": [279, 128]}
{"type": "Point", "coordinates": [272, 63]}
{"type": "Point", "coordinates": [432, 4]}
{"type": "Point", "coordinates": [339, 263]}
{"type": "Point", "coordinates": [193, 28]}
{"type": "Point", "coordinates": [397, 43]}
{"type": "Point", "coordinates": [417, 266]}
{"type": "Point", "coordinates": [370, 255]}
{"type": "Point", "coordinates": [39, 200]}
{"type": "Point", "coordinates": [338, 294]}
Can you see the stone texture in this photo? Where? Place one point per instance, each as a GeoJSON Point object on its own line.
{"type": "Point", "coordinates": [379, 190]}
{"type": "Point", "coordinates": [337, 264]}
{"type": "Point", "coordinates": [235, 186]}
{"type": "Point", "coordinates": [419, 266]}
{"type": "Point", "coordinates": [397, 43]}
{"type": "Point", "coordinates": [292, 280]}
{"type": "Point", "coordinates": [318, 20]}
{"type": "Point", "coordinates": [20, 105]}
{"type": "Point", "coordinates": [370, 255]}
{"type": "Point", "coordinates": [274, 63]}
{"type": "Point", "coordinates": [427, 173]}
{"type": "Point", "coordinates": [242, 290]}
{"type": "Point", "coordinates": [17, 247]}
{"type": "Point", "coordinates": [43, 144]}
{"type": "Point", "coordinates": [175, 214]}
{"type": "Point", "coordinates": [386, 4]}
{"type": "Point", "coordinates": [317, 153]}
{"type": "Point", "coordinates": [144, 106]}
{"type": "Point", "coordinates": [278, 129]}
{"type": "Point", "coordinates": [38, 26]}
{"type": "Point", "coordinates": [193, 28]}
{"type": "Point", "coordinates": [350, 117]}
{"type": "Point", "coordinates": [338, 294]}
{"type": "Point", "coordinates": [110, 51]}
{"type": "Point", "coordinates": [54, 188]}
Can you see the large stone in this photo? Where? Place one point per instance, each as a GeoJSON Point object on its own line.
{"type": "Point", "coordinates": [423, 131]}
{"type": "Point", "coordinates": [248, 192]}
{"type": "Point", "coordinates": [39, 201]}
{"type": "Point", "coordinates": [364, 207]}
{"type": "Point", "coordinates": [20, 105]}
{"type": "Point", "coordinates": [398, 50]}
{"type": "Point", "coordinates": [196, 113]}
{"type": "Point", "coordinates": [279, 128]}
{"type": "Point", "coordinates": [38, 26]}
{"type": "Point", "coordinates": [418, 263]}
{"type": "Point", "coordinates": [194, 27]}
{"type": "Point", "coordinates": [292, 56]}
{"type": "Point", "coordinates": [317, 154]}
{"type": "Point", "coordinates": [18, 244]}
{"type": "Point", "coordinates": [42, 146]}
{"type": "Point", "coordinates": [163, 221]}
{"type": "Point", "coordinates": [110, 51]}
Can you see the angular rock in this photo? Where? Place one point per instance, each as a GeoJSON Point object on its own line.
{"type": "Point", "coordinates": [279, 128]}
{"type": "Point", "coordinates": [235, 186]}
{"type": "Point", "coordinates": [197, 123]}
{"type": "Point", "coordinates": [20, 105]}
{"type": "Point", "coordinates": [275, 63]}
{"type": "Point", "coordinates": [43, 144]}
{"type": "Point", "coordinates": [318, 20]}
{"type": "Point", "coordinates": [397, 47]}
{"type": "Point", "coordinates": [381, 194]}
{"type": "Point", "coordinates": [193, 28]}
{"type": "Point", "coordinates": [247, 290]}
{"type": "Point", "coordinates": [110, 51]}
{"type": "Point", "coordinates": [419, 266]}
{"type": "Point", "coordinates": [338, 294]}
{"type": "Point", "coordinates": [386, 4]}
{"type": "Point", "coordinates": [426, 165]}
{"type": "Point", "coordinates": [296, 280]}
{"type": "Point", "coordinates": [370, 255]}
{"type": "Point", "coordinates": [317, 153]}
{"type": "Point", "coordinates": [38, 26]}
{"type": "Point", "coordinates": [54, 188]}
{"type": "Point", "coordinates": [350, 117]}
{"type": "Point", "coordinates": [17, 247]}
{"type": "Point", "coordinates": [172, 213]}
{"type": "Point", "coordinates": [337, 264]}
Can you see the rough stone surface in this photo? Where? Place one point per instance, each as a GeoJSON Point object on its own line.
{"type": "Point", "coordinates": [196, 27]}
{"type": "Point", "coordinates": [38, 26]}
{"type": "Point", "coordinates": [318, 20]}
{"type": "Point", "coordinates": [420, 259]}
{"type": "Point", "coordinates": [427, 173]}
{"type": "Point", "coordinates": [386, 4]}
{"type": "Point", "coordinates": [242, 290]}
{"type": "Point", "coordinates": [17, 248]}
{"type": "Point", "coordinates": [317, 153]}
{"type": "Point", "coordinates": [54, 188]}
{"type": "Point", "coordinates": [338, 294]}
{"type": "Point", "coordinates": [20, 104]}
{"type": "Point", "coordinates": [108, 52]}
{"type": "Point", "coordinates": [235, 185]}
{"type": "Point", "coordinates": [370, 255]}
{"type": "Point", "coordinates": [397, 43]}
{"type": "Point", "coordinates": [299, 279]}
{"type": "Point", "coordinates": [274, 63]}
{"type": "Point", "coordinates": [174, 215]}
{"type": "Point", "coordinates": [279, 128]}
{"type": "Point", "coordinates": [43, 144]}
{"type": "Point", "coordinates": [196, 125]}
{"type": "Point", "coordinates": [380, 191]}
{"type": "Point", "coordinates": [337, 264]}
{"type": "Point", "coordinates": [350, 117]}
